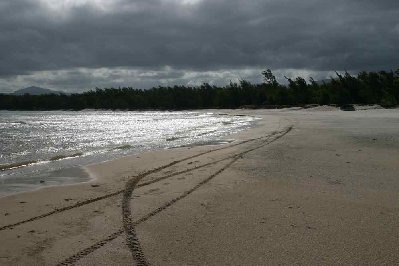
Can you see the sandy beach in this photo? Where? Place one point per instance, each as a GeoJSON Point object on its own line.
{"type": "Point", "coordinates": [315, 186]}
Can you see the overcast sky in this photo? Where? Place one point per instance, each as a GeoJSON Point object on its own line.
{"type": "Point", "coordinates": [76, 45]}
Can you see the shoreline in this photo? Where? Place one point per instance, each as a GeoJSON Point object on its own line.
{"type": "Point", "coordinates": [87, 177]}
{"type": "Point", "coordinates": [302, 195]}
{"type": "Point", "coordinates": [229, 112]}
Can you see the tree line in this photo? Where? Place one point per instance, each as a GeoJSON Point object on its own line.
{"type": "Point", "coordinates": [343, 89]}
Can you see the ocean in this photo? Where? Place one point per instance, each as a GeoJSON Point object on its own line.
{"type": "Point", "coordinates": [47, 148]}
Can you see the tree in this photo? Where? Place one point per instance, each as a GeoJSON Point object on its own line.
{"type": "Point", "coordinates": [367, 87]}
{"type": "Point", "coordinates": [269, 78]}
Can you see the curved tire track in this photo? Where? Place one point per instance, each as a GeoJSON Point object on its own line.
{"type": "Point", "coordinates": [130, 224]}
{"type": "Point", "coordinates": [129, 227]}
{"type": "Point", "coordinates": [132, 240]}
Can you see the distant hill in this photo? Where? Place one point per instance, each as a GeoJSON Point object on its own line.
{"type": "Point", "coordinates": [35, 91]}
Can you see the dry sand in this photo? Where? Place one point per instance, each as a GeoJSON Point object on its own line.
{"type": "Point", "coordinates": [324, 192]}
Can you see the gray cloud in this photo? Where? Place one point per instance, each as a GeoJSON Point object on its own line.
{"type": "Point", "coordinates": [67, 46]}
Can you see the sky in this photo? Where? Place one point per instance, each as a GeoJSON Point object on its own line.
{"type": "Point", "coordinates": [77, 45]}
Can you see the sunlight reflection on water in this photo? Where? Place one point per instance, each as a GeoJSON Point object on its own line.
{"type": "Point", "coordinates": [62, 140]}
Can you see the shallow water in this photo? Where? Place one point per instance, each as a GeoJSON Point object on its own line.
{"type": "Point", "coordinates": [48, 148]}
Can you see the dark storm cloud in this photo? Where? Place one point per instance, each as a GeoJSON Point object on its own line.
{"type": "Point", "coordinates": [200, 36]}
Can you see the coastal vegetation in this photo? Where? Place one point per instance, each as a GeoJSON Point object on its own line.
{"type": "Point", "coordinates": [366, 88]}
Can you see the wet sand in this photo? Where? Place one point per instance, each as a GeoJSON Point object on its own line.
{"type": "Point", "coordinates": [303, 187]}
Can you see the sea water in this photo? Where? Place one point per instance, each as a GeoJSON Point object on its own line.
{"type": "Point", "coordinates": [49, 148]}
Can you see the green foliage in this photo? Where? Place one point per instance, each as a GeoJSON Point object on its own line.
{"type": "Point", "coordinates": [365, 88]}
{"type": "Point", "coordinates": [388, 100]}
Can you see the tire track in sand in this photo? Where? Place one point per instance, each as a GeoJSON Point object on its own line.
{"type": "Point", "coordinates": [127, 220]}
{"type": "Point", "coordinates": [74, 258]}
{"type": "Point", "coordinates": [132, 240]}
